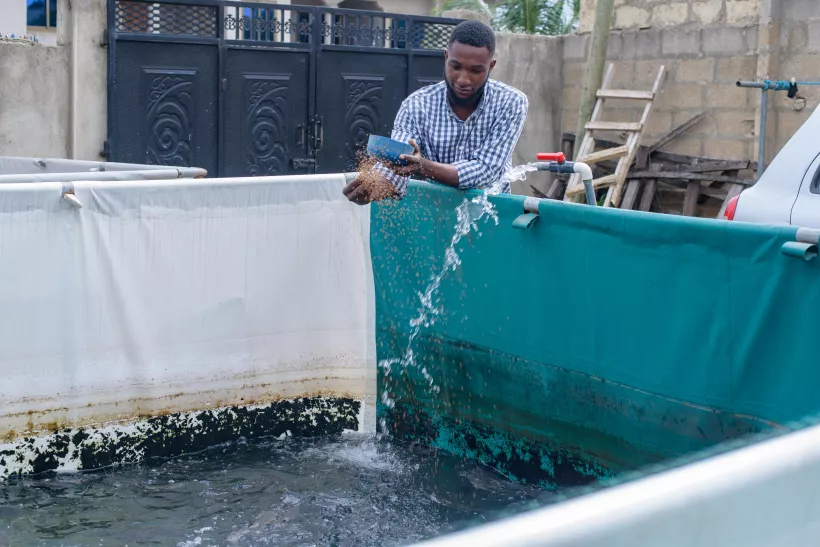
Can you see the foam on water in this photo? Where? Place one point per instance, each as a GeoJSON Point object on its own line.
{"type": "Point", "coordinates": [468, 213]}
{"type": "Point", "coordinates": [339, 490]}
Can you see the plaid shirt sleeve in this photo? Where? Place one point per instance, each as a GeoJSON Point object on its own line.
{"type": "Point", "coordinates": [404, 129]}
{"type": "Point", "coordinates": [487, 164]}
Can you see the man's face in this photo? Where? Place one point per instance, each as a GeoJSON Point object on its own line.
{"type": "Point", "coordinates": [466, 70]}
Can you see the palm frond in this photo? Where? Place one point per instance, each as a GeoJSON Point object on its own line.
{"type": "Point", "coordinates": [537, 16]}
{"type": "Point", "coordinates": [550, 17]}
{"type": "Point", "coordinates": [471, 5]}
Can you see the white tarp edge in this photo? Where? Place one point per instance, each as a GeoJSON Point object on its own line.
{"type": "Point", "coordinates": [179, 295]}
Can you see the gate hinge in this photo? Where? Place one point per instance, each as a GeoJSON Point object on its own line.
{"type": "Point", "coordinates": [224, 84]}
{"type": "Point", "coordinates": [106, 150]}
{"type": "Point", "coordinates": [104, 41]}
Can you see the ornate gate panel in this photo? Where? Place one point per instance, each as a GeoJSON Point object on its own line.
{"type": "Point", "coordinates": [265, 111]}
{"type": "Point", "coordinates": [372, 87]}
{"type": "Point", "coordinates": [247, 89]}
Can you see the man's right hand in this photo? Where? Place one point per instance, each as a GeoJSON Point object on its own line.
{"type": "Point", "coordinates": [362, 194]}
{"type": "Point", "coordinates": [356, 193]}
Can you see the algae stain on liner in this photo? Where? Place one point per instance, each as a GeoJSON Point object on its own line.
{"type": "Point", "coordinates": [469, 212]}
{"type": "Point", "coordinates": [175, 435]}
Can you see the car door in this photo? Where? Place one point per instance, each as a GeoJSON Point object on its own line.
{"type": "Point", "coordinates": [806, 209]}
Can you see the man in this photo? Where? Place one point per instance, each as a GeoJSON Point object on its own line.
{"type": "Point", "coordinates": [463, 130]}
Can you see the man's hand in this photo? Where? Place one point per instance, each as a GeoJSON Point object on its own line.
{"type": "Point", "coordinates": [442, 173]}
{"type": "Point", "coordinates": [362, 191]}
{"type": "Point", "coordinates": [414, 162]}
{"type": "Point", "coordinates": [357, 193]}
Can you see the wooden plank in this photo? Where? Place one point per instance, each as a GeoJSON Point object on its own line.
{"type": "Point", "coordinates": [555, 188]}
{"type": "Point", "coordinates": [633, 142]}
{"type": "Point", "coordinates": [677, 132]}
{"type": "Point", "coordinates": [608, 197]}
{"type": "Point", "coordinates": [684, 175]}
{"type": "Point", "coordinates": [680, 188]}
{"type": "Point", "coordinates": [567, 147]}
{"type": "Point", "coordinates": [625, 94]}
{"type": "Point", "coordinates": [607, 165]}
{"type": "Point", "coordinates": [595, 61]}
{"type": "Point", "coordinates": [587, 147]}
{"type": "Point", "coordinates": [604, 155]}
{"type": "Point", "coordinates": [690, 201]}
{"type": "Point", "coordinates": [599, 104]}
{"type": "Point", "coordinates": [579, 189]}
{"type": "Point", "coordinates": [588, 144]}
{"type": "Point", "coordinates": [660, 155]}
{"type": "Point", "coordinates": [633, 187]}
{"type": "Point", "coordinates": [603, 181]}
{"type": "Point", "coordinates": [686, 160]}
{"type": "Point", "coordinates": [537, 193]}
{"type": "Point", "coordinates": [715, 193]}
{"type": "Point", "coordinates": [642, 158]}
{"type": "Point", "coordinates": [649, 189]}
{"type": "Point", "coordinates": [614, 126]}
{"type": "Point", "coordinates": [648, 195]}
{"type": "Point", "coordinates": [715, 166]}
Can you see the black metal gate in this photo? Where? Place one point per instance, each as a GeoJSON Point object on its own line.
{"type": "Point", "coordinates": [245, 89]}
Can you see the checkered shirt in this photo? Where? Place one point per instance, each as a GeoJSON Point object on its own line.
{"type": "Point", "coordinates": [480, 147]}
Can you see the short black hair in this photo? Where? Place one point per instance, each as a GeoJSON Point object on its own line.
{"type": "Point", "coordinates": [474, 33]}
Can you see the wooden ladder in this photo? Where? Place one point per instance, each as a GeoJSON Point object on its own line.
{"type": "Point", "coordinates": [626, 152]}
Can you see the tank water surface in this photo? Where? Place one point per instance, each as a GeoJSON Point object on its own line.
{"type": "Point", "coordinates": [334, 490]}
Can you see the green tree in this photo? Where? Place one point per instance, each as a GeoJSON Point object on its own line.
{"type": "Point", "coordinates": [471, 5]}
{"type": "Point", "coordinates": [550, 17]}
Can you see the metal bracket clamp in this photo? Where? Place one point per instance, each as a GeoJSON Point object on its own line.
{"type": "Point", "coordinates": [68, 195]}
{"type": "Point", "coordinates": [530, 216]}
{"type": "Point", "coordinates": [531, 205]}
{"type": "Point", "coordinates": [804, 246]}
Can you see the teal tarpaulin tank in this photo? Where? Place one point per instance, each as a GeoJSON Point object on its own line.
{"type": "Point", "coordinates": [594, 342]}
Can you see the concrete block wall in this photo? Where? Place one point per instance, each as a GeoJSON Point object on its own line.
{"type": "Point", "coordinates": [701, 66]}
{"type": "Point", "coordinates": [706, 46]}
{"type": "Point", "coordinates": [639, 14]}
{"type": "Point", "coordinates": [795, 42]}
{"type": "Point", "coordinates": [516, 57]}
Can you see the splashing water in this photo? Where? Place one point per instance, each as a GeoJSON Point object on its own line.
{"type": "Point", "coordinates": [469, 213]}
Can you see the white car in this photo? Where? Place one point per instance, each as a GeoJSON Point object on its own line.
{"type": "Point", "coordinates": [788, 192]}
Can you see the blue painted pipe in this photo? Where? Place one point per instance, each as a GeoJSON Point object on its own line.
{"type": "Point", "coordinates": [569, 168]}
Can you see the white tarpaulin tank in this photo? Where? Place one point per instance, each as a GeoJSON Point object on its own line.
{"type": "Point", "coordinates": [163, 297]}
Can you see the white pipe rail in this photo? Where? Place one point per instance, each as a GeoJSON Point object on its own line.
{"type": "Point", "coordinates": [102, 176]}
{"type": "Point", "coordinates": [765, 494]}
{"type": "Point", "coordinates": [10, 165]}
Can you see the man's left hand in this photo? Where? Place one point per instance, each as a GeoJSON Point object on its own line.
{"type": "Point", "coordinates": [414, 162]}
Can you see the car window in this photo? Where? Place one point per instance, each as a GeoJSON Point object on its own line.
{"type": "Point", "coordinates": [815, 182]}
